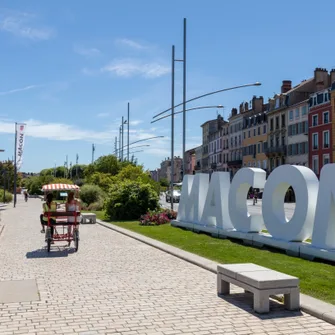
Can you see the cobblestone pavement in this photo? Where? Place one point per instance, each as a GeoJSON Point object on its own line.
{"type": "Point", "coordinates": [117, 285]}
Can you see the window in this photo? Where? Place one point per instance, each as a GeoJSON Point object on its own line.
{"type": "Point", "coordinates": [258, 147]}
{"type": "Point", "coordinates": [326, 139]}
{"type": "Point", "coordinates": [254, 131]}
{"type": "Point", "coordinates": [315, 120]}
{"type": "Point", "coordinates": [291, 115]}
{"type": "Point", "coordinates": [326, 117]}
{"type": "Point", "coordinates": [315, 164]}
{"type": "Point", "coordinates": [306, 147]}
{"type": "Point", "coordinates": [271, 124]}
{"type": "Point", "coordinates": [249, 133]}
{"type": "Point", "coordinates": [297, 113]}
{"type": "Point", "coordinates": [290, 130]}
{"type": "Point", "coordinates": [277, 122]}
{"type": "Point", "coordinates": [290, 150]}
{"type": "Point", "coordinates": [283, 121]}
{"type": "Point", "coordinates": [294, 130]}
{"type": "Point", "coordinates": [326, 159]}
{"type": "Point", "coordinates": [244, 135]}
{"type": "Point", "coordinates": [303, 110]}
{"type": "Point", "coordinates": [258, 130]}
{"type": "Point", "coordinates": [264, 129]}
{"type": "Point", "coordinates": [315, 141]}
{"type": "Point", "coordinates": [264, 164]}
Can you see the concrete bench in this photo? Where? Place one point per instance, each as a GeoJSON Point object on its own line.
{"type": "Point", "coordinates": [262, 282]}
{"type": "Point", "coordinates": [89, 218]}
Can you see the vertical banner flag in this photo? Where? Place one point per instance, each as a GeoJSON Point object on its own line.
{"type": "Point", "coordinates": [20, 134]}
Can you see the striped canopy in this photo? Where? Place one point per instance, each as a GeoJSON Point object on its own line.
{"type": "Point", "coordinates": [60, 187]}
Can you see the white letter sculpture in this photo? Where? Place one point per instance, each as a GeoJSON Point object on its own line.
{"type": "Point", "coordinates": [324, 223]}
{"type": "Point", "coordinates": [238, 210]}
{"type": "Point", "coordinates": [193, 197]}
{"type": "Point", "coordinates": [216, 211]}
{"type": "Point", "coordinates": [305, 185]}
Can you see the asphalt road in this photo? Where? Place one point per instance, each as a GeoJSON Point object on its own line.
{"type": "Point", "coordinates": [165, 204]}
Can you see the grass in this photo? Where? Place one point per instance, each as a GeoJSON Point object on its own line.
{"type": "Point", "coordinates": [316, 279]}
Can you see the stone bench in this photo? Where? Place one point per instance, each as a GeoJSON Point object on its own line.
{"type": "Point", "coordinates": [89, 218]}
{"type": "Point", "coordinates": [262, 282]}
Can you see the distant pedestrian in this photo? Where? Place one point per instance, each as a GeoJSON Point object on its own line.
{"type": "Point", "coordinates": [255, 197]}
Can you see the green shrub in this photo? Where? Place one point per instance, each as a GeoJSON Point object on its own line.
{"type": "Point", "coordinates": [96, 206]}
{"type": "Point", "coordinates": [8, 197]}
{"type": "Point", "coordinates": [128, 200]}
{"type": "Point", "coordinates": [90, 193]}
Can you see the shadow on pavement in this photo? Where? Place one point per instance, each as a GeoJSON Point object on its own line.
{"type": "Point", "coordinates": [245, 301]}
{"type": "Point", "coordinates": [55, 252]}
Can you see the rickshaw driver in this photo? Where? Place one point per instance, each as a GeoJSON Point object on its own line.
{"type": "Point", "coordinates": [48, 206]}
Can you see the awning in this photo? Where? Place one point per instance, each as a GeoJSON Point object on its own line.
{"type": "Point", "coordinates": [60, 187]}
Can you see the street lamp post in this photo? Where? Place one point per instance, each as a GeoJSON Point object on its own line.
{"type": "Point", "coordinates": [186, 110]}
{"type": "Point", "coordinates": [120, 142]}
{"type": "Point", "coordinates": [192, 99]}
{"type": "Point", "coordinates": [210, 93]}
{"type": "Point", "coordinates": [184, 99]}
{"type": "Point", "coordinates": [172, 127]}
{"type": "Point", "coordinates": [122, 139]}
{"type": "Point", "coordinates": [128, 124]}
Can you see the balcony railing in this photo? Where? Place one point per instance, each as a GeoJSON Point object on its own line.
{"type": "Point", "coordinates": [235, 162]}
{"type": "Point", "coordinates": [280, 150]}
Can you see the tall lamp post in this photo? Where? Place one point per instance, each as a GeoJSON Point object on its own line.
{"type": "Point", "coordinates": [192, 99]}
{"type": "Point", "coordinates": [128, 124]}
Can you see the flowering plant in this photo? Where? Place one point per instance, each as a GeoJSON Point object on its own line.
{"type": "Point", "coordinates": [157, 218]}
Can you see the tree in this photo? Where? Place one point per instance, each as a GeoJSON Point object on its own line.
{"type": "Point", "coordinates": [128, 200]}
{"type": "Point", "coordinates": [164, 182]}
{"type": "Point", "coordinates": [107, 164]}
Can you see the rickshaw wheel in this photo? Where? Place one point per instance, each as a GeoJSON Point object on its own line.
{"type": "Point", "coordinates": [48, 244]}
{"type": "Point", "coordinates": [76, 239]}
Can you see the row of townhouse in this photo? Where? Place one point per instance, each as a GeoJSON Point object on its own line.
{"type": "Point", "coordinates": [295, 126]}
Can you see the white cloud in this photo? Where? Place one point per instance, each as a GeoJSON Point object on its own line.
{"type": "Point", "coordinates": [103, 115]}
{"type": "Point", "coordinates": [23, 25]}
{"type": "Point", "coordinates": [16, 90]}
{"type": "Point", "coordinates": [87, 52]}
{"type": "Point", "coordinates": [135, 122]}
{"type": "Point", "coordinates": [65, 132]}
{"type": "Point", "coordinates": [133, 67]}
{"type": "Point", "coordinates": [130, 43]}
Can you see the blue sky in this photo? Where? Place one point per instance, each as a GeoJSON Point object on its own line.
{"type": "Point", "coordinates": [68, 69]}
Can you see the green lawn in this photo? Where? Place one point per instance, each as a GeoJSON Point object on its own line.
{"type": "Point", "coordinates": [316, 279]}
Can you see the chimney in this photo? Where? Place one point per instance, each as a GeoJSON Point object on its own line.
{"type": "Point", "coordinates": [321, 78]}
{"type": "Point", "coordinates": [286, 86]}
{"type": "Point", "coordinates": [332, 76]}
{"type": "Point", "coordinates": [246, 106]}
{"type": "Point", "coordinates": [257, 104]}
{"type": "Point", "coordinates": [241, 109]}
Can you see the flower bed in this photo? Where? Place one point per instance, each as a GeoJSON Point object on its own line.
{"type": "Point", "coordinates": [157, 218]}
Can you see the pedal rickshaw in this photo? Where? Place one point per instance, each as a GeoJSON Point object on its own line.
{"type": "Point", "coordinates": [64, 229]}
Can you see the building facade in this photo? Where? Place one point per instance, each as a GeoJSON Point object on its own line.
{"type": "Point", "coordinates": [235, 140]}
{"type": "Point", "coordinates": [165, 170]}
{"type": "Point", "coordinates": [255, 134]}
{"type": "Point", "coordinates": [320, 130]}
{"type": "Point", "coordinates": [297, 134]}
{"type": "Point", "coordinates": [225, 146]}
{"type": "Point", "coordinates": [198, 159]}
{"type": "Point", "coordinates": [190, 161]}
{"type": "Point", "coordinates": [208, 129]}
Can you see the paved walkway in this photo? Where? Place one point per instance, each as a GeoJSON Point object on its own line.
{"type": "Point", "coordinates": [117, 285]}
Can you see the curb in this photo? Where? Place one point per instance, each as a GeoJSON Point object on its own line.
{"type": "Point", "coordinates": [315, 307]}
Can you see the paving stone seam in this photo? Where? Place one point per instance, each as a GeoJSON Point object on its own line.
{"type": "Point", "coordinates": [2, 227]}
{"type": "Point", "coordinates": [310, 305]}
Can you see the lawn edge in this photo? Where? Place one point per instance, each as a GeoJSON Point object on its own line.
{"type": "Point", "coordinates": [315, 307]}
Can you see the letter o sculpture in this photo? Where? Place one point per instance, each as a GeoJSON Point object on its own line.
{"type": "Point", "coordinates": [305, 185]}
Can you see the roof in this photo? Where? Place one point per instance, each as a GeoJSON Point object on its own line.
{"type": "Point", "coordinates": [60, 187]}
